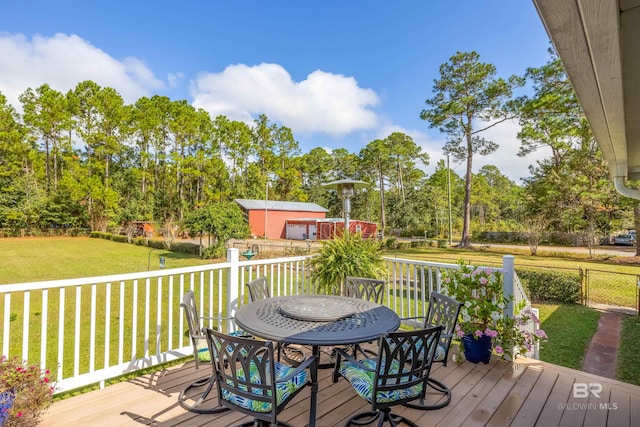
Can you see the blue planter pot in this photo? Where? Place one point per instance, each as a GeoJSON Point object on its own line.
{"type": "Point", "coordinates": [6, 403]}
{"type": "Point", "coordinates": [477, 350]}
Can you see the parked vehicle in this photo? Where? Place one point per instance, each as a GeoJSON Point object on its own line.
{"type": "Point", "coordinates": [624, 240]}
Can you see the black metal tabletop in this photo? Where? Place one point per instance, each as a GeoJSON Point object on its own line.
{"type": "Point", "coordinates": [318, 320]}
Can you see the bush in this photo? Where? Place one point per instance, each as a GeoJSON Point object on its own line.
{"type": "Point", "coordinates": [551, 286]}
{"type": "Point", "coordinates": [403, 245]}
{"type": "Point", "coordinates": [214, 251]}
{"type": "Point", "coordinates": [31, 391]}
{"type": "Point", "coordinates": [344, 256]}
{"type": "Point", "coordinates": [390, 243]}
{"type": "Point", "coordinates": [442, 243]}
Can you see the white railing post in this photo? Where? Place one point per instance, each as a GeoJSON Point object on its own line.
{"type": "Point", "coordinates": [508, 267]}
{"type": "Point", "coordinates": [232, 282]}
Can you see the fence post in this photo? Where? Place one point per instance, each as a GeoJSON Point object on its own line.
{"type": "Point", "coordinates": [508, 266]}
{"type": "Point", "coordinates": [232, 284]}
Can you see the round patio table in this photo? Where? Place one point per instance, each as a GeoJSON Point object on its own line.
{"type": "Point", "coordinates": [316, 320]}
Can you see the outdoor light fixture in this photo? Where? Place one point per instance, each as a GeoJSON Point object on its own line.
{"type": "Point", "coordinates": [346, 189]}
{"type": "Point", "coordinates": [160, 259]}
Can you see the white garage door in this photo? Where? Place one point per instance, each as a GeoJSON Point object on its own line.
{"type": "Point", "coordinates": [296, 231]}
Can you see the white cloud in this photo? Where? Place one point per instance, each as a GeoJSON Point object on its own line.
{"type": "Point", "coordinates": [62, 61]}
{"type": "Point", "coordinates": [174, 79]}
{"type": "Point", "coordinates": [329, 103]}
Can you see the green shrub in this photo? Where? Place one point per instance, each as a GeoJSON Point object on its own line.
{"type": "Point", "coordinates": [186, 248]}
{"type": "Point", "coordinates": [403, 245]}
{"type": "Point", "coordinates": [214, 251]}
{"type": "Point", "coordinates": [119, 238]}
{"type": "Point", "coordinates": [347, 255]}
{"type": "Point", "coordinates": [390, 243]}
{"type": "Point", "coordinates": [442, 243]}
{"type": "Point", "coordinates": [551, 286]}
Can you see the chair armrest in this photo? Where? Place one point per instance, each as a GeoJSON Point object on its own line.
{"type": "Point", "coordinates": [301, 367]}
{"type": "Point", "coordinates": [353, 360]}
{"type": "Point", "coordinates": [415, 318]}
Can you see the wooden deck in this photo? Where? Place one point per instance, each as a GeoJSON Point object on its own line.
{"type": "Point", "coordinates": [501, 393]}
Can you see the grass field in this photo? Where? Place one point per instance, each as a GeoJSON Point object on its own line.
{"type": "Point", "coordinates": [570, 327]}
{"type": "Point", "coordinates": [38, 258]}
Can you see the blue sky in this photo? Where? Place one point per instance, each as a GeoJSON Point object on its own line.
{"type": "Point", "coordinates": [338, 73]}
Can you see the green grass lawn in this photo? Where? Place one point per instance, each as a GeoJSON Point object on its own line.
{"type": "Point", "coordinates": [628, 354]}
{"type": "Point", "coordinates": [494, 256]}
{"type": "Point", "coordinates": [39, 258]}
{"type": "Point", "coordinates": [570, 329]}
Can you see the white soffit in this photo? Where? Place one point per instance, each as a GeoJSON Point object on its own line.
{"type": "Point", "coordinates": [587, 36]}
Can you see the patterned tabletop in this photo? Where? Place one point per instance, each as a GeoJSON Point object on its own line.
{"type": "Point", "coordinates": [317, 319]}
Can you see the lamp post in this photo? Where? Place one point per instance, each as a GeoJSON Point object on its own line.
{"type": "Point", "coordinates": [346, 189]}
{"type": "Point", "coordinates": [160, 259]}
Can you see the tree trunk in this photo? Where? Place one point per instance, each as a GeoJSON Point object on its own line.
{"type": "Point", "coordinates": [464, 242]}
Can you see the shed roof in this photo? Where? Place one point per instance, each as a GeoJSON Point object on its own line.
{"type": "Point", "coordinates": [274, 205]}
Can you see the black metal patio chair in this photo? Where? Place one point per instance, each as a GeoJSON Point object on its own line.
{"type": "Point", "coordinates": [367, 289]}
{"type": "Point", "coordinates": [397, 375]}
{"type": "Point", "coordinates": [249, 379]}
{"type": "Point", "coordinates": [200, 355]}
{"type": "Point", "coordinates": [443, 310]}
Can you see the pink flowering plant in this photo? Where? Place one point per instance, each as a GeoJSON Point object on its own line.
{"type": "Point", "coordinates": [26, 392]}
{"type": "Point", "coordinates": [480, 290]}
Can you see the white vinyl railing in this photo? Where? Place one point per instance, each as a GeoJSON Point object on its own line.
{"type": "Point", "coordinates": [92, 329]}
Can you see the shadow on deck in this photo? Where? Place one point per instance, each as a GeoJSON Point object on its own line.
{"type": "Point", "coordinates": [501, 393]}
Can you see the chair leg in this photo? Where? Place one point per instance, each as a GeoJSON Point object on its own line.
{"type": "Point", "coordinates": [364, 418]}
{"type": "Point", "coordinates": [438, 387]}
{"type": "Point", "coordinates": [382, 415]}
{"type": "Point", "coordinates": [195, 407]}
{"type": "Point", "coordinates": [263, 423]}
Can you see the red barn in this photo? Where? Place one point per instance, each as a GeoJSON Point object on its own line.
{"type": "Point", "coordinates": [272, 216]}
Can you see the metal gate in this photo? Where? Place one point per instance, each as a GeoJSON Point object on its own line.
{"type": "Point", "coordinates": [607, 290]}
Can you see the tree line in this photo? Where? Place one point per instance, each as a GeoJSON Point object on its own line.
{"type": "Point", "coordinates": [86, 159]}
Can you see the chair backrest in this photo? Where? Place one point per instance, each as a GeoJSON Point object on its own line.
{"type": "Point", "coordinates": [404, 362]}
{"type": "Point", "coordinates": [245, 374]}
{"type": "Point", "coordinates": [443, 310]}
{"type": "Point", "coordinates": [258, 289]}
{"type": "Point", "coordinates": [193, 322]}
{"type": "Point", "coordinates": [365, 288]}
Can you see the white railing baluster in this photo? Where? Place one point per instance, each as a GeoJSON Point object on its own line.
{"type": "Point", "coordinates": [59, 373]}
{"type": "Point", "coordinates": [92, 330]}
{"type": "Point", "coordinates": [134, 321]}
{"type": "Point", "coordinates": [159, 318]}
{"type": "Point", "coordinates": [76, 342]}
{"type": "Point", "coordinates": [107, 325]}
{"type": "Point", "coordinates": [121, 324]}
{"type": "Point", "coordinates": [25, 325]}
{"type": "Point", "coordinates": [7, 323]}
{"type": "Point", "coordinates": [44, 313]}
{"type": "Point", "coordinates": [170, 315]}
{"type": "Point", "coordinates": [210, 290]}
{"type": "Point", "coordinates": [181, 321]}
{"type": "Point", "coordinates": [147, 305]}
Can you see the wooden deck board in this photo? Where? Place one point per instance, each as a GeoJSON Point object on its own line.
{"type": "Point", "coordinates": [498, 394]}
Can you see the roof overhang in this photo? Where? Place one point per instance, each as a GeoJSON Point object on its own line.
{"type": "Point", "coordinates": [598, 42]}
